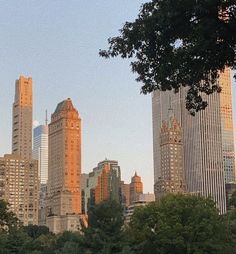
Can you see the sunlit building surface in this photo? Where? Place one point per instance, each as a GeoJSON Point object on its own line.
{"type": "Point", "coordinates": [18, 170]}
{"type": "Point", "coordinates": [19, 187]}
{"type": "Point", "coordinates": [22, 118]}
{"type": "Point", "coordinates": [136, 188]}
{"type": "Point", "coordinates": [227, 126]}
{"type": "Point", "coordinates": [104, 183]}
{"type": "Point", "coordinates": [205, 137]}
{"type": "Point", "coordinates": [64, 167]}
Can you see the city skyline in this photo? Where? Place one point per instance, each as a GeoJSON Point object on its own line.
{"type": "Point", "coordinates": [65, 63]}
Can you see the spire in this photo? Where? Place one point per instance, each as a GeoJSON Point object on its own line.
{"type": "Point", "coordinates": [46, 117]}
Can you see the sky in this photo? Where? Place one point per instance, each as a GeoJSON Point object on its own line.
{"type": "Point", "coordinates": [56, 42]}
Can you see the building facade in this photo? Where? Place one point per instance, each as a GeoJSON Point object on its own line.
{"type": "Point", "coordinates": [203, 141]}
{"type": "Point", "coordinates": [171, 179]}
{"type": "Point", "coordinates": [108, 182]}
{"type": "Point", "coordinates": [40, 151]}
{"type": "Point", "coordinates": [143, 200]}
{"type": "Point", "coordinates": [125, 193]}
{"type": "Point", "coordinates": [22, 118]}
{"type": "Point", "coordinates": [103, 183]}
{"type": "Point", "coordinates": [64, 171]}
{"type": "Point", "coordinates": [19, 186]}
{"type": "Point", "coordinates": [226, 112]}
{"type": "Point", "coordinates": [136, 188]}
{"type": "Point", "coordinates": [65, 159]}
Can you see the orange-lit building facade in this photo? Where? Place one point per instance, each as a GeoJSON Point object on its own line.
{"type": "Point", "coordinates": [103, 183]}
{"type": "Point", "coordinates": [136, 188]}
{"type": "Point", "coordinates": [22, 118]}
{"type": "Point", "coordinates": [108, 183]}
{"type": "Point", "coordinates": [226, 112]}
{"type": "Point", "coordinates": [64, 171]}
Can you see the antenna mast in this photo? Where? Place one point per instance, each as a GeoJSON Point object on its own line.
{"type": "Point", "coordinates": [46, 117]}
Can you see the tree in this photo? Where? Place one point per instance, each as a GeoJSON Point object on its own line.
{"type": "Point", "coordinates": [178, 224]}
{"type": "Point", "coordinates": [104, 233]}
{"type": "Point", "coordinates": [8, 220]}
{"type": "Point", "coordinates": [232, 200]}
{"type": "Point", "coordinates": [34, 231]}
{"type": "Point", "coordinates": [69, 242]}
{"type": "Point", "coordinates": [175, 43]}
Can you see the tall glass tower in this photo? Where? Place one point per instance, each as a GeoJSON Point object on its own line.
{"type": "Point", "coordinates": [40, 151]}
{"type": "Point", "coordinates": [208, 149]}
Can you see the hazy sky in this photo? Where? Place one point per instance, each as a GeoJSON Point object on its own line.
{"type": "Point", "coordinates": [57, 43]}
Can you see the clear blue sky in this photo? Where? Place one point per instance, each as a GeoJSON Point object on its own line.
{"type": "Point", "coordinates": [57, 43]}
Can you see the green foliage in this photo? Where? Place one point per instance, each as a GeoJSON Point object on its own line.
{"type": "Point", "coordinates": [104, 234]}
{"type": "Point", "coordinates": [35, 231]}
{"type": "Point", "coordinates": [69, 242]}
{"type": "Point", "coordinates": [232, 200]}
{"type": "Point", "coordinates": [178, 224]}
{"type": "Point", "coordinates": [8, 220]}
{"type": "Point", "coordinates": [174, 43]}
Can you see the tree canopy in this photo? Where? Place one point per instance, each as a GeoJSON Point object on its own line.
{"type": "Point", "coordinates": [175, 43]}
{"type": "Point", "coordinates": [8, 220]}
{"type": "Point", "coordinates": [104, 233]}
{"type": "Point", "coordinates": [179, 224]}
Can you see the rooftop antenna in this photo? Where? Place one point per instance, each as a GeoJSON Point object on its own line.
{"type": "Point", "coordinates": [46, 117]}
{"type": "Point", "coordinates": [170, 109]}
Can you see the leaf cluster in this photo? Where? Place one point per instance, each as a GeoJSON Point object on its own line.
{"type": "Point", "coordinates": [175, 43]}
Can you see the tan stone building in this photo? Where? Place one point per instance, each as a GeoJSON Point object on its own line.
{"type": "Point", "coordinates": [22, 118]}
{"type": "Point", "coordinates": [19, 187]}
{"type": "Point", "coordinates": [171, 179]}
{"type": "Point", "coordinates": [64, 166]}
{"type": "Point", "coordinates": [136, 188]}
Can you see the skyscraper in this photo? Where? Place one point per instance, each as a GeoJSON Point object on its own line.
{"type": "Point", "coordinates": [65, 159]}
{"type": "Point", "coordinates": [40, 151]}
{"type": "Point", "coordinates": [227, 126]}
{"type": "Point", "coordinates": [171, 179]}
{"type": "Point", "coordinates": [21, 186]}
{"type": "Point", "coordinates": [136, 188]}
{"type": "Point", "coordinates": [64, 168]}
{"type": "Point", "coordinates": [22, 118]}
{"type": "Point", "coordinates": [203, 140]}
